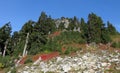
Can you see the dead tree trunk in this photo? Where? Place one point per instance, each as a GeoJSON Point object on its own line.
{"type": "Point", "coordinates": [4, 52]}
{"type": "Point", "coordinates": [24, 51]}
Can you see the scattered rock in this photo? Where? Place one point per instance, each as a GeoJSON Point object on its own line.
{"type": "Point", "coordinates": [81, 63]}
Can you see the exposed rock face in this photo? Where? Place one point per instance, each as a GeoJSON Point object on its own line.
{"type": "Point", "coordinates": [81, 63]}
{"type": "Point", "coordinates": [64, 21]}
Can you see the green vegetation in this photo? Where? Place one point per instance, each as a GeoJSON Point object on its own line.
{"type": "Point", "coordinates": [116, 44]}
{"type": "Point", "coordinates": [1, 65]}
{"type": "Point", "coordinates": [52, 45]}
{"type": "Point", "coordinates": [34, 37]}
{"type": "Point", "coordinates": [115, 41]}
{"type": "Point", "coordinates": [29, 60]}
{"type": "Point", "coordinates": [68, 37]}
{"type": "Point", "coordinates": [115, 37]}
{"type": "Point", "coordinates": [70, 50]}
{"type": "Point", "coordinates": [14, 70]}
{"type": "Point", "coordinates": [6, 62]}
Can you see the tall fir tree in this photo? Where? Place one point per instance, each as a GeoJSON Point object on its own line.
{"type": "Point", "coordinates": [96, 28]}
{"type": "Point", "coordinates": [84, 29]}
{"type": "Point", "coordinates": [111, 29]}
{"type": "Point", "coordinates": [5, 35]}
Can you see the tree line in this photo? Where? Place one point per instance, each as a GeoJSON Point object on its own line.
{"type": "Point", "coordinates": [33, 35]}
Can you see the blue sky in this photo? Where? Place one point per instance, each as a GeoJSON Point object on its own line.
{"type": "Point", "coordinates": [20, 11]}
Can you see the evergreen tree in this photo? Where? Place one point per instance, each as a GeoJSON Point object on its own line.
{"type": "Point", "coordinates": [111, 29]}
{"type": "Point", "coordinates": [50, 25]}
{"type": "Point", "coordinates": [45, 24]}
{"type": "Point", "coordinates": [5, 35]}
{"type": "Point", "coordinates": [82, 25]}
{"type": "Point", "coordinates": [71, 24]}
{"type": "Point", "coordinates": [27, 27]}
{"type": "Point", "coordinates": [83, 29]}
{"type": "Point", "coordinates": [14, 44]}
{"type": "Point", "coordinates": [20, 37]}
{"type": "Point", "coordinates": [96, 28]}
{"type": "Point", "coordinates": [105, 37]}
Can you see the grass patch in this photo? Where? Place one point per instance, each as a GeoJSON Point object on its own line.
{"type": "Point", "coordinates": [28, 60]}
{"type": "Point", "coordinates": [115, 37]}
{"type": "Point", "coordinates": [116, 44]}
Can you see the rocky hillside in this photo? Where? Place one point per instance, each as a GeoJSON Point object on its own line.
{"type": "Point", "coordinates": [83, 61]}
{"type": "Point", "coordinates": [48, 45]}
